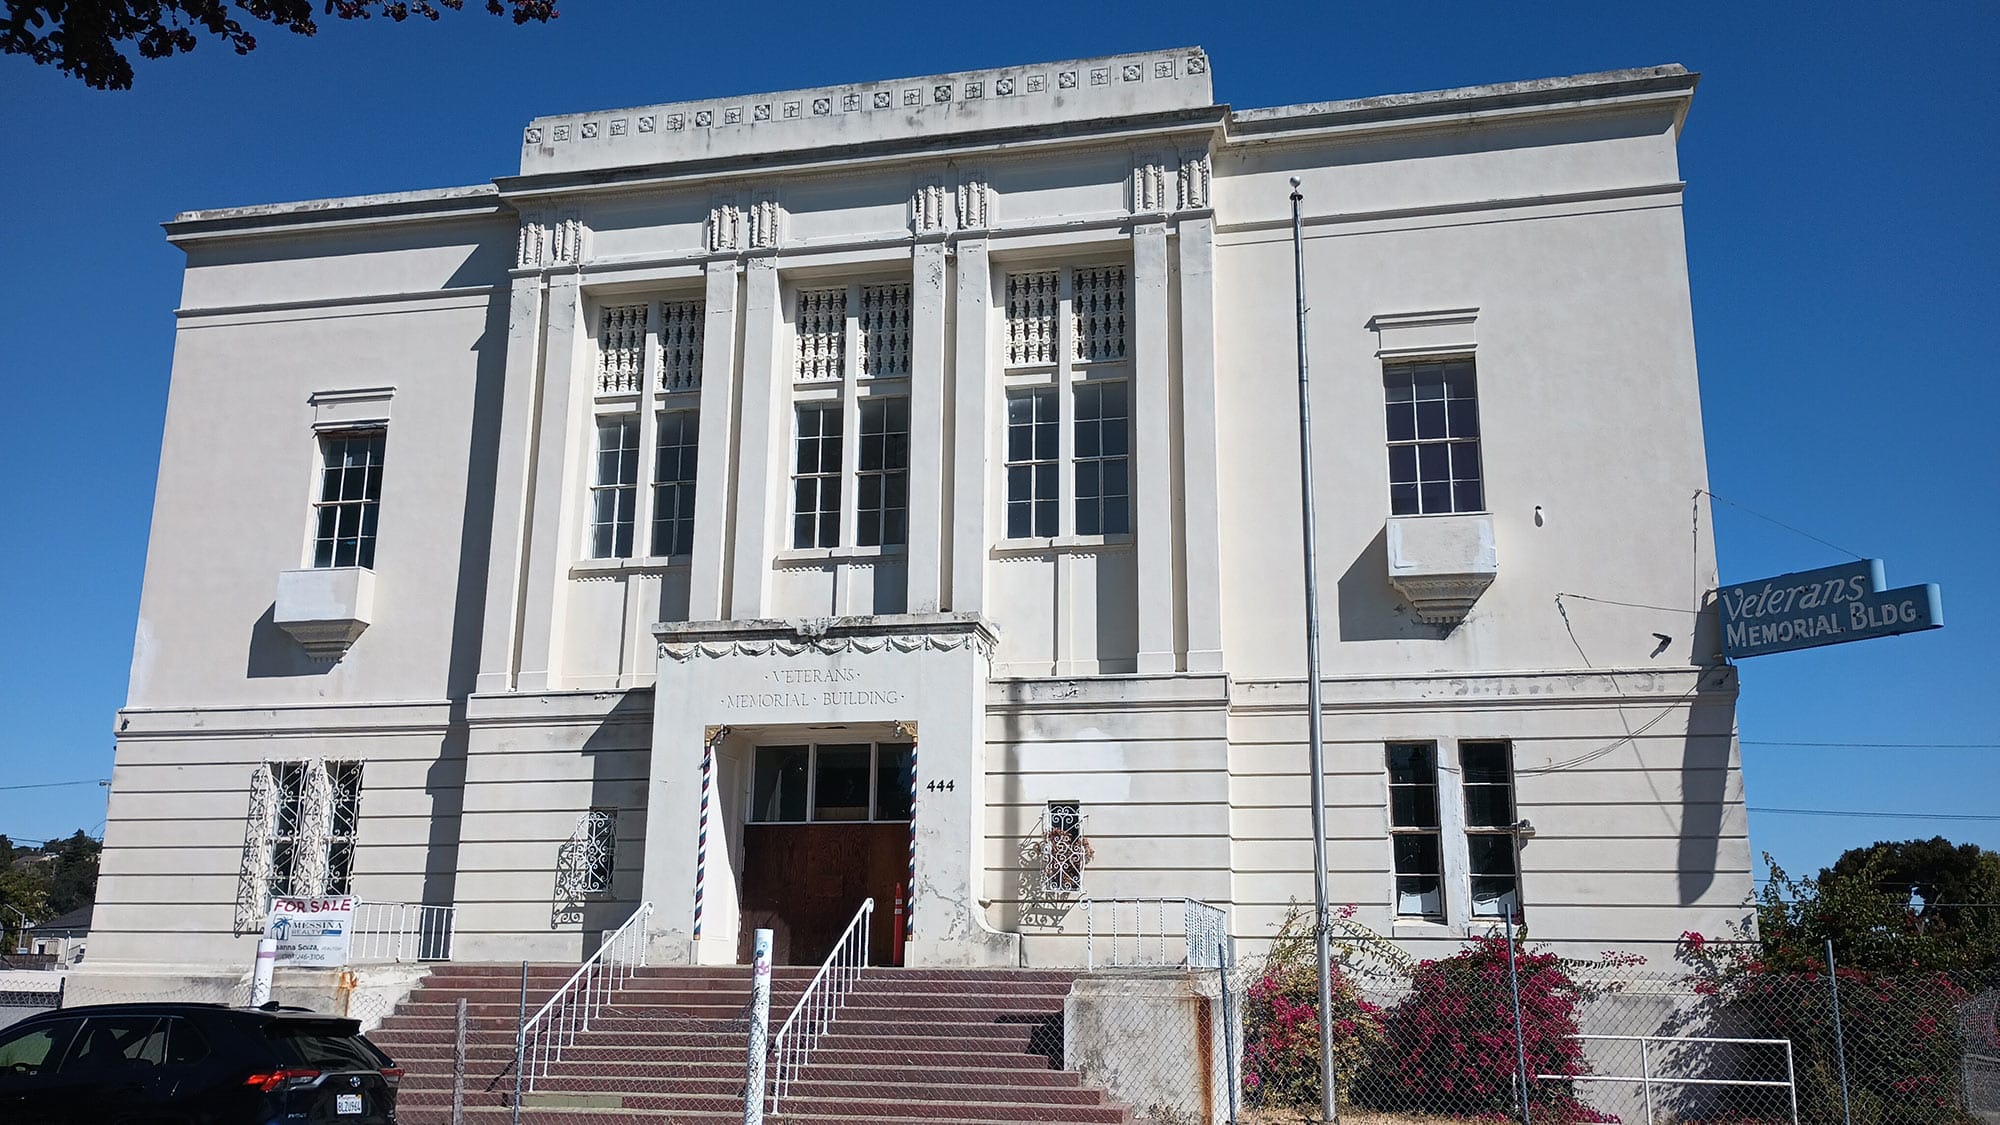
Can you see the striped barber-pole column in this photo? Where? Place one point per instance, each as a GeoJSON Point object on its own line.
{"type": "Point", "coordinates": [713, 736]}
{"type": "Point", "coordinates": [910, 877]}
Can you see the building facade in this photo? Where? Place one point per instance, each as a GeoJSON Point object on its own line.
{"type": "Point", "coordinates": [762, 503]}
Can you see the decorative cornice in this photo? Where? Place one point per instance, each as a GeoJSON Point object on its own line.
{"type": "Point", "coordinates": [827, 636]}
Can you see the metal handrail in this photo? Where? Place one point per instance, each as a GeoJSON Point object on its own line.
{"type": "Point", "coordinates": [1203, 926]}
{"type": "Point", "coordinates": [539, 1044]}
{"type": "Point", "coordinates": [820, 1004]}
{"type": "Point", "coordinates": [400, 932]}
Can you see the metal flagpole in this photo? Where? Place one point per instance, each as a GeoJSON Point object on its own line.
{"type": "Point", "coordinates": [1316, 752]}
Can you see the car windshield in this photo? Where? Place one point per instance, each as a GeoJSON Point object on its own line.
{"type": "Point", "coordinates": [325, 1045]}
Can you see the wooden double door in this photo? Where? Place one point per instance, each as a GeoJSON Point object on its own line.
{"type": "Point", "coordinates": [805, 881]}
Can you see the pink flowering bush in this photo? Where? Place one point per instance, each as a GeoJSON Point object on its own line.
{"type": "Point", "coordinates": [1281, 1023]}
{"type": "Point", "coordinates": [1449, 1046]}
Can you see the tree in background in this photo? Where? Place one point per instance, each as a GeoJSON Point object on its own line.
{"type": "Point", "coordinates": [90, 39]}
{"type": "Point", "coordinates": [45, 882]}
{"type": "Point", "coordinates": [1950, 891]}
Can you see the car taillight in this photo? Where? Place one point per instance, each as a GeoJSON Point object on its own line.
{"type": "Point", "coordinates": [269, 1080]}
{"type": "Point", "coordinates": [393, 1075]}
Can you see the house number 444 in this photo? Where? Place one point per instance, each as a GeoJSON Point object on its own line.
{"type": "Point", "coordinates": [941, 786]}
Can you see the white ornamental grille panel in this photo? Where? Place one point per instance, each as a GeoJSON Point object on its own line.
{"type": "Point", "coordinates": [885, 331]}
{"type": "Point", "coordinates": [1032, 302]}
{"type": "Point", "coordinates": [621, 349]}
{"type": "Point", "coordinates": [1101, 314]}
{"type": "Point", "coordinates": [822, 325]}
{"type": "Point", "coordinates": [254, 876]}
{"type": "Point", "coordinates": [310, 866]}
{"type": "Point", "coordinates": [680, 344]}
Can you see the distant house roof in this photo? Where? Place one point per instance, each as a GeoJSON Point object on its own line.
{"type": "Point", "coordinates": [77, 920]}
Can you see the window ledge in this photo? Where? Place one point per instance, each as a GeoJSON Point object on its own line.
{"type": "Point", "coordinates": [1404, 927]}
{"type": "Point", "coordinates": [1060, 544]}
{"type": "Point", "coordinates": [1442, 563]}
{"type": "Point", "coordinates": [605, 568]}
{"type": "Point", "coordinates": [325, 609]}
{"type": "Point", "coordinates": [812, 555]}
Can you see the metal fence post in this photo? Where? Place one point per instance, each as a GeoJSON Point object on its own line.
{"type": "Point", "coordinates": [1229, 1060]}
{"type": "Point", "coordinates": [760, 1027]}
{"type": "Point", "coordinates": [1839, 1035]}
{"type": "Point", "coordinates": [1520, 1035]}
{"type": "Point", "coordinates": [458, 1067]}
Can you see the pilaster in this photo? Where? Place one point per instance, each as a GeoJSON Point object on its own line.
{"type": "Point", "coordinates": [927, 335]}
{"type": "Point", "coordinates": [708, 574]}
{"type": "Point", "coordinates": [549, 542]}
{"type": "Point", "coordinates": [763, 429]}
{"type": "Point", "coordinates": [1201, 573]}
{"type": "Point", "coordinates": [972, 396]}
{"type": "Point", "coordinates": [1153, 461]}
{"type": "Point", "coordinates": [513, 470]}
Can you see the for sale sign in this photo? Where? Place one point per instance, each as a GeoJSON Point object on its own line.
{"type": "Point", "coordinates": [312, 932]}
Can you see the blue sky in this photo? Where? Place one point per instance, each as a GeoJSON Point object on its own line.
{"type": "Point", "coordinates": [1843, 187]}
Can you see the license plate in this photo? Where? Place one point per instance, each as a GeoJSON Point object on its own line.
{"type": "Point", "coordinates": [347, 1103]}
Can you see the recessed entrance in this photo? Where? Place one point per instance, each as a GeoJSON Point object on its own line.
{"type": "Point", "coordinates": [828, 825]}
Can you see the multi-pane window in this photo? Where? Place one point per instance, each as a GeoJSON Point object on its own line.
{"type": "Point", "coordinates": [816, 477]}
{"type": "Point", "coordinates": [1103, 494]}
{"type": "Point", "coordinates": [350, 498]}
{"type": "Point", "coordinates": [882, 480]}
{"type": "Point", "coordinates": [856, 781]}
{"type": "Point", "coordinates": [675, 453]}
{"type": "Point", "coordinates": [1487, 775]}
{"type": "Point", "coordinates": [1433, 418]}
{"type": "Point", "coordinates": [1034, 457]}
{"type": "Point", "coordinates": [1414, 830]}
{"type": "Point", "coordinates": [1068, 347]}
{"type": "Point", "coordinates": [614, 488]}
{"type": "Point", "coordinates": [852, 348]}
{"type": "Point", "coordinates": [649, 358]}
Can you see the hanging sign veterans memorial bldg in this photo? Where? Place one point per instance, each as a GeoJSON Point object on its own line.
{"type": "Point", "coordinates": [1822, 607]}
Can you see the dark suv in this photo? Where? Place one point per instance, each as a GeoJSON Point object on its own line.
{"type": "Point", "coordinates": [192, 1064]}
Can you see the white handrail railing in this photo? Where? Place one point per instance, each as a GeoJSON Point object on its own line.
{"type": "Point", "coordinates": [540, 1042]}
{"type": "Point", "coordinates": [400, 932]}
{"type": "Point", "coordinates": [1203, 929]}
{"type": "Point", "coordinates": [820, 1003]}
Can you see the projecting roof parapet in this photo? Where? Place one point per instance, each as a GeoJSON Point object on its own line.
{"type": "Point", "coordinates": [940, 105]}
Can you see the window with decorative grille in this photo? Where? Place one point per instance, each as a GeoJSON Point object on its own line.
{"type": "Point", "coordinates": [588, 859]}
{"type": "Point", "coordinates": [1063, 848]}
{"type": "Point", "coordinates": [856, 387]}
{"type": "Point", "coordinates": [621, 348]}
{"type": "Point", "coordinates": [649, 362]}
{"type": "Point", "coordinates": [1068, 441]}
{"type": "Point", "coordinates": [299, 838]}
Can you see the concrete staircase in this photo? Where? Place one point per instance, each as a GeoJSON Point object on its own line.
{"type": "Point", "coordinates": [936, 1047]}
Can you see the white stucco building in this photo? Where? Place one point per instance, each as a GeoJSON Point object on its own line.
{"type": "Point", "coordinates": [667, 521]}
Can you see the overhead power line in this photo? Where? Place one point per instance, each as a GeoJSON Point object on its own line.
{"type": "Point", "coordinates": [1876, 745]}
{"type": "Point", "coordinates": [57, 784]}
{"type": "Point", "coordinates": [1870, 815]}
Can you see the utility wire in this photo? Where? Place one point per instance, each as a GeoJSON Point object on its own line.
{"type": "Point", "coordinates": [56, 784]}
{"type": "Point", "coordinates": [1632, 605]}
{"type": "Point", "coordinates": [1867, 815]}
{"type": "Point", "coordinates": [1779, 523]}
{"type": "Point", "coordinates": [1877, 745]}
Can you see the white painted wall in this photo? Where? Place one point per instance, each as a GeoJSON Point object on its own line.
{"type": "Point", "coordinates": [506, 683]}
